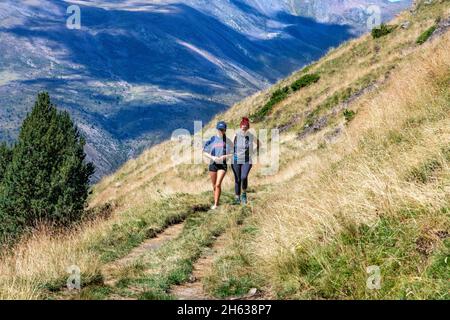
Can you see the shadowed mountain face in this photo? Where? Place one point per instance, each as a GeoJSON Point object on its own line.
{"type": "Point", "coordinates": [137, 70]}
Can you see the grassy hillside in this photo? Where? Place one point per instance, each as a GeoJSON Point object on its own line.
{"type": "Point", "coordinates": [364, 181]}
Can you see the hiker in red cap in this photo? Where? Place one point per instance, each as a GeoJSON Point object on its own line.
{"type": "Point", "coordinates": [242, 160]}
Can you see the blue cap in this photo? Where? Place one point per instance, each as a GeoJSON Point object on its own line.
{"type": "Point", "coordinates": [221, 125]}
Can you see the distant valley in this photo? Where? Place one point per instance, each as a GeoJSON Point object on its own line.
{"type": "Point", "coordinates": [137, 70]}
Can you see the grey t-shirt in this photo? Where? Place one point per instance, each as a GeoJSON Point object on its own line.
{"type": "Point", "coordinates": [243, 147]}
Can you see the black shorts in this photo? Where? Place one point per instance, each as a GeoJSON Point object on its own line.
{"type": "Point", "coordinates": [214, 167]}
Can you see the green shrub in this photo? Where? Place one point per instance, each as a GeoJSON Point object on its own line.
{"type": "Point", "coordinates": [305, 81]}
{"type": "Point", "coordinates": [277, 96]}
{"type": "Point", "coordinates": [349, 115]}
{"type": "Point", "coordinates": [381, 31]}
{"type": "Point", "coordinates": [426, 35]}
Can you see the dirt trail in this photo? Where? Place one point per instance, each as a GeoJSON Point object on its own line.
{"type": "Point", "coordinates": [191, 290]}
{"type": "Point", "coordinates": [168, 234]}
{"type": "Point", "coordinates": [194, 290]}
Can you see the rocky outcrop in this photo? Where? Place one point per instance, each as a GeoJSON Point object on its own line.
{"type": "Point", "coordinates": [442, 27]}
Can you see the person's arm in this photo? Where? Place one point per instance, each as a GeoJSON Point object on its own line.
{"type": "Point", "coordinates": [207, 151]}
{"type": "Point", "coordinates": [210, 157]}
{"type": "Point", "coordinates": [226, 157]}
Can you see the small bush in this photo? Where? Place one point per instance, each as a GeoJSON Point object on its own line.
{"type": "Point", "coordinates": [426, 35]}
{"type": "Point", "coordinates": [278, 96]}
{"type": "Point", "coordinates": [305, 81]}
{"type": "Point", "coordinates": [349, 115]}
{"type": "Point", "coordinates": [381, 31]}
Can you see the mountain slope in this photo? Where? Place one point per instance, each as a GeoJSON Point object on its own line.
{"type": "Point", "coordinates": [138, 70]}
{"type": "Point", "coordinates": [371, 189]}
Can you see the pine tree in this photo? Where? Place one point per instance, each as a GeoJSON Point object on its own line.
{"type": "Point", "coordinates": [48, 177]}
{"type": "Point", "coordinates": [5, 159]}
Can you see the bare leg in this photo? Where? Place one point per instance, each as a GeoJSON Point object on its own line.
{"type": "Point", "coordinates": [218, 186]}
{"type": "Point", "coordinates": [213, 176]}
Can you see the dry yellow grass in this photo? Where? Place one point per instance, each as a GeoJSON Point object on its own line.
{"type": "Point", "coordinates": [44, 258]}
{"type": "Point", "coordinates": [357, 179]}
{"type": "Point", "coordinates": [362, 175]}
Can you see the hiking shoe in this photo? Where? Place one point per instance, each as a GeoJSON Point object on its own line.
{"type": "Point", "coordinates": [214, 207]}
{"type": "Point", "coordinates": [237, 201]}
{"type": "Point", "coordinates": [244, 199]}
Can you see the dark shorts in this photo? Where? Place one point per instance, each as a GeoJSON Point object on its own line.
{"type": "Point", "coordinates": [214, 167]}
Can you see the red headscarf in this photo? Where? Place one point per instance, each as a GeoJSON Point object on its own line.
{"type": "Point", "coordinates": [245, 122]}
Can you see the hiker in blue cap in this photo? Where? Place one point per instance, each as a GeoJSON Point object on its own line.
{"type": "Point", "coordinates": [218, 150]}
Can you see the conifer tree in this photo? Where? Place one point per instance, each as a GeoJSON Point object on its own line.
{"type": "Point", "coordinates": [5, 159]}
{"type": "Point", "coordinates": [48, 178]}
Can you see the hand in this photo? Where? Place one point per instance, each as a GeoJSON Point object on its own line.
{"type": "Point", "coordinates": [219, 160]}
